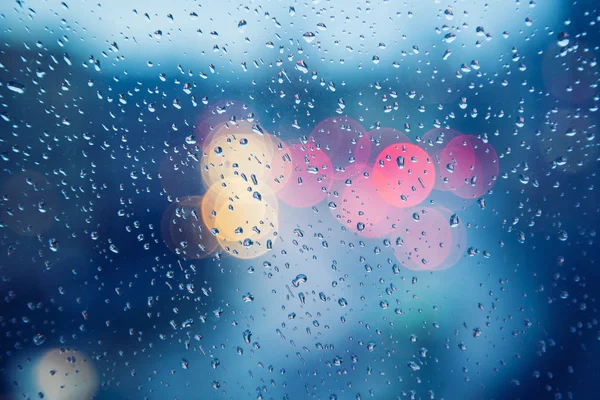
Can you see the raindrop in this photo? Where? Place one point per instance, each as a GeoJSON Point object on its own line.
{"type": "Point", "coordinates": [300, 278]}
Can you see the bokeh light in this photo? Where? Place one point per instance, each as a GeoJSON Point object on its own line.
{"type": "Point", "coordinates": [359, 206]}
{"type": "Point", "coordinates": [457, 159]}
{"type": "Point", "coordinates": [244, 218]}
{"type": "Point", "coordinates": [237, 150]}
{"type": "Point", "coordinates": [434, 142]}
{"type": "Point", "coordinates": [378, 139]}
{"type": "Point", "coordinates": [404, 174]}
{"type": "Point", "coordinates": [311, 175]}
{"type": "Point", "coordinates": [253, 245]}
{"type": "Point", "coordinates": [340, 137]}
{"type": "Point", "coordinates": [65, 374]}
{"type": "Point", "coordinates": [466, 165]}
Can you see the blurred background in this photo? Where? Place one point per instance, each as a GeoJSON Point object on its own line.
{"type": "Point", "coordinates": [109, 115]}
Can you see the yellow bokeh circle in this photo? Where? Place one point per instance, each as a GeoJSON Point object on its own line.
{"type": "Point", "coordinates": [242, 217]}
{"type": "Point", "coordinates": [236, 150]}
{"type": "Point", "coordinates": [245, 219]}
{"type": "Point", "coordinates": [246, 250]}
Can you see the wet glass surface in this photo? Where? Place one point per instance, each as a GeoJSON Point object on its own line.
{"type": "Point", "coordinates": [291, 200]}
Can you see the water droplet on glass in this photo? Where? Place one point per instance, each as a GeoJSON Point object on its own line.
{"type": "Point", "coordinates": [300, 278]}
